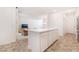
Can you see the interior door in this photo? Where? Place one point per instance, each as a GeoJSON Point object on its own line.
{"type": "Point", "coordinates": [70, 24]}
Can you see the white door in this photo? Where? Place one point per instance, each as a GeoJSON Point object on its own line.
{"type": "Point", "coordinates": [69, 24]}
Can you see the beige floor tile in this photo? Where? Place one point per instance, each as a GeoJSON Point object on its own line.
{"type": "Point", "coordinates": [66, 44]}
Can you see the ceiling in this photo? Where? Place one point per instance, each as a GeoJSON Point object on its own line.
{"type": "Point", "coordinates": [36, 11]}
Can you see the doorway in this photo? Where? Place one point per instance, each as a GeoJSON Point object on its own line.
{"type": "Point", "coordinates": [22, 33]}
{"type": "Point", "coordinates": [69, 23]}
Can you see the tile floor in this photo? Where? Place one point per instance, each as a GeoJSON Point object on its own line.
{"type": "Point", "coordinates": [12, 47]}
{"type": "Point", "coordinates": [66, 44]}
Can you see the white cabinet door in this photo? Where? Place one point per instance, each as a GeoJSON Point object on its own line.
{"type": "Point", "coordinates": [53, 35]}
{"type": "Point", "coordinates": [44, 41]}
{"type": "Point", "coordinates": [50, 39]}
{"type": "Point", "coordinates": [34, 41]}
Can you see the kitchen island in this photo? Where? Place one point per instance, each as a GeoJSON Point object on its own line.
{"type": "Point", "coordinates": [40, 39]}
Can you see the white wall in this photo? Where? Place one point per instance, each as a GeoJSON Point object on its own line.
{"type": "Point", "coordinates": [41, 21]}
{"type": "Point", "coordinates": [52, 22]}
{"type": "Point", "coordinates": [65, 21]}
{"type": "Point", "coordinates": [56, 20]}
{"type": "Point", "coordinates": [23, 18]}
{"type": "Point", "coordinates": [7, 25]}
{"type": "Point", "coordinates": [45, 20]}
{"type": "Point", "coordinates": [60, 23]}
{"type": "Point", "coordinates": [70, 22]}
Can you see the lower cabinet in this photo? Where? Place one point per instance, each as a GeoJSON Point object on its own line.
{"type": "Point", "coordinates": [52, 37]}
{"type": "Point", "coordinates": [48, 38]}
{"type": "Point", "coordinates": [43, 41]}
{"type": "Point", "coordinates": [39, 41]}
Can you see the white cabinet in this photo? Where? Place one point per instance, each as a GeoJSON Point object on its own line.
{"type": "Point", "coordinates": [50, 40]}
{"type": "Point", "coordinates": [53, 36]}
{"type": "Point", "coordinates": [40, 41]}
{"type": "Point", "coordinates": [34, 41]}
{"type": "Point", "coordinates": [44, 41]}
